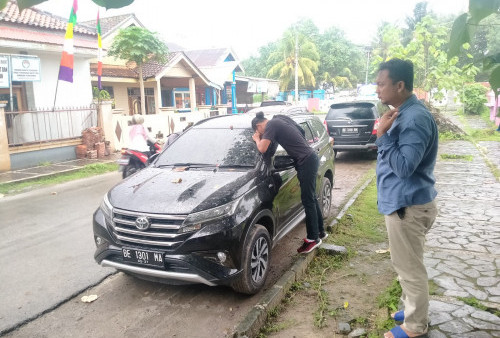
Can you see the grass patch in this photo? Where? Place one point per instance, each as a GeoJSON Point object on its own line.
{"type": "Point", "coordinates": [390, 297]}
{"type": "Point", "coordinates": [451, 136]}
{"type": "Point", "coordinates": [272, 316]}
{"type": "Point", "coordinates": [361, 224]}
{"type": "Point", "coordinates": [434, 289]}
{"type": "Point", "coordinates": [86, 171]}
{"type": "Point", "coordinates": [489, 134]}
{"type": "Point", "coordinates": [473, 302]}
{"type": "Point", "coordinates": [457, 157]}
{"type": "Point", "coordinates": [485, 134]}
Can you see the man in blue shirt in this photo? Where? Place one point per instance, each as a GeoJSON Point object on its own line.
{"type": "Point", "coordinates": [407, 140]}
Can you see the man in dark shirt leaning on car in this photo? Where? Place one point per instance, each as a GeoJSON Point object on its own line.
{"type": "Point", "coordinates": [283, 130]}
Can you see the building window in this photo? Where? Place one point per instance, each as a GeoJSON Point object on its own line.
{"type": "Point", "coordinates": [109, 89]}
{"type": "Point", "coordinates": [134, 100]}
{"type": "Point", "coordinates": [182, 100]}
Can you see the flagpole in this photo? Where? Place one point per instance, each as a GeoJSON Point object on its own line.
{"type": "Point", "coordinates": [55, 95]}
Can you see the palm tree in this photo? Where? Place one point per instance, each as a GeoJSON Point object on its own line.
{"type": "Point", "coordinates": [139, 45]}
{"type": "Point", "coordinates": [295, 50]}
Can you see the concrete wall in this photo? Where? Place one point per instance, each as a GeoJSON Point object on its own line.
{"type": "Point", "coordinates": [76, 94]}
{"type": "Point", "coordinates": [35, 158]}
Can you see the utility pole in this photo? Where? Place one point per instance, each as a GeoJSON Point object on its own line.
{"type": "Point", "coordinates": [296, 68]}
{"type": "Point", "coordinates": [368, 50]}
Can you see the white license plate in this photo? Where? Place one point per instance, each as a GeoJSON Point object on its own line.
{"type": "Point", "coordinates": [123, 161]}
{"type": "Point", "coordinates": [349, 130]}
{"type": "Point", "coordinates": [143, 257]}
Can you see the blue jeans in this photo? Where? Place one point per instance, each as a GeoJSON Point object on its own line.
{"type": "Point", "coordinates": [307, 174]}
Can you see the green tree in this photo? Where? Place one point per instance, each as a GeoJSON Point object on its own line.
{"type": "Point", "coordinates": [419, 12]}
{"type": "Point", "coordinates": [474, 98]}
{"type": "Point", "coordinates": [387, 42]}
{"type": "Point", "coordinates": [426, 50]}
{"type": "Point", "coordinates": [307, 60]}
{"type": "Point", "coordinates": [338, 56]}
{"type": "Point", "coordinates": [258, 66]}
{"type": "Point", "coordinates": [463, 32]}
{"type": "Point", "coordinates": [140, 46]}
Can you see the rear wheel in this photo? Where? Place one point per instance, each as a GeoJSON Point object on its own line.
{"type": "Point", "coordinates": [256, 256]}
{"type": "Point", "coordinates": [326, 197]}
{"type": "Point", "coordinates": [131, 169]}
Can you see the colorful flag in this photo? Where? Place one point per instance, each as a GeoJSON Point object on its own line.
{"type": "Point", "coordinates": [66, 68]}
{"type": "Point", "coordinates": [99, 52]}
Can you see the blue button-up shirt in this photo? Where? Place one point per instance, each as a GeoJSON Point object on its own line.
{"type": "Point", "coordinates": [406, 158]}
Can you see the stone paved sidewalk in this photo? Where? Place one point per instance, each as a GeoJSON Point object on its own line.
{"type": "Point", "coordinates": [463, 247]}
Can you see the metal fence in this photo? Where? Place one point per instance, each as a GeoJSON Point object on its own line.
{"type": "Point", "coordinates": [26, 127]}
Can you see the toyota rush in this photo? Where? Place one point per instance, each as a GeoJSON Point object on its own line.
{"type": "Point", "coordinates": [210, 207]}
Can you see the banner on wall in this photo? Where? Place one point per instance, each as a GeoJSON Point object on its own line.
{"type": "Point", "coordinates": [4, 72]}
{"type": "Point", "coordinates": [25, 68]}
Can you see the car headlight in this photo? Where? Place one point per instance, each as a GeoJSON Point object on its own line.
{"type": "Point", "coordinates": [194, 222]}
{"type": "Point", "coordinates": [107, 208]}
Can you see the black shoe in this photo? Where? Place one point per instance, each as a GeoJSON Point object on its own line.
{"type": "Point", "coordinates": [323, 235]}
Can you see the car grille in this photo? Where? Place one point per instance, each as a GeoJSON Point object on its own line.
{"type": "Point", "coordinates": [162, 232]}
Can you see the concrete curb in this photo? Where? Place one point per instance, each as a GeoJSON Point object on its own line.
{"type": "Point", "coordinates": [257, 316]}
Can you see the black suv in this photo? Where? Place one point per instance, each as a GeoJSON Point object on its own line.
{"type": "Point", "coordinates": [210, 207]}
{"type": "Point", "coordinates": [353, 125]}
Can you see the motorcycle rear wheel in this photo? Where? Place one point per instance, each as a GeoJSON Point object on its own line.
{"type": "Point", "coordinates": [131, 169]}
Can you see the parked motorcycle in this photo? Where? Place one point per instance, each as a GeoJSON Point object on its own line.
{"type": "Point", "coordinates": [132, 160]}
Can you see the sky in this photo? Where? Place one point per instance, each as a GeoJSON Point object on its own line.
{"type": "Point", "coordinates": [247, 25]}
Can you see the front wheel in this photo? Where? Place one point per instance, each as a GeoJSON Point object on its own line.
{"type": "Point", "coordinates": [326, 197]}
{"type": "Point", "coordinates": [256, 256]}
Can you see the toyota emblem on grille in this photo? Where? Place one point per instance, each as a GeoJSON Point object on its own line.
{"type": "Point", "coordinates": [142, 223]}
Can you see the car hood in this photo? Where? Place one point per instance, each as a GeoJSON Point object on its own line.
{"type": "Point", "coordinates": [166, 191]}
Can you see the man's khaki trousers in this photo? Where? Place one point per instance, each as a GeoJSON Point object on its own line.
{"type": "Point", "coordinates": [406, 243]}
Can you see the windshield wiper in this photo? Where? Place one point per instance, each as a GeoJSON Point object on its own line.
{"type": "Point", "coordinates": [187, 164]}
{"type": "Point", "coordinates": [236, 166]}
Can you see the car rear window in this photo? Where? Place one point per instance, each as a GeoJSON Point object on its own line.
{"type": "Point", "coordinates": [354, 112]}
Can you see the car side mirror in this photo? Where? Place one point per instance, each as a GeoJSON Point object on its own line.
{"type": "Point", "coordinates": [283, 162]}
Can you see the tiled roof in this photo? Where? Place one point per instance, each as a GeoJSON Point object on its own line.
{"type": "Point", "coordinates": [28, 34]}
{"type": "Point", "coordinates": [149, 69]}
{"type": "Point", "coordinates": [206, 57]}
{"type": "Point", "coordinates": [36, 18]}
{"type": "Point", "coordinates": [107, 24]}
{"type": "Point", "coordinates": [113, 71]}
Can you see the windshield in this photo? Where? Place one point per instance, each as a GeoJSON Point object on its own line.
{"type": "Point", "coordinates": [212, 147]}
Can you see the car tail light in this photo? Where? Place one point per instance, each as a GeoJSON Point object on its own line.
{"type": "Point", "coordinates": [326, 125]}
{"type": "Point", "coordinates": [375, 127]}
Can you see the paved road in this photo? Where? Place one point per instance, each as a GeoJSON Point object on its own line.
{"type": "Point", "coordinates": [46, 246]}
{"type": "Point", "coordinates": [126, 306]}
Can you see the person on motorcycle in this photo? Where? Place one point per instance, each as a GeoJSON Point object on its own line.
{"type": "Point", "coordinates": [138, 135]}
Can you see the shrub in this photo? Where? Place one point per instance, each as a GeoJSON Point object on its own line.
{"type": "Point", "coordinates": [474, 98]}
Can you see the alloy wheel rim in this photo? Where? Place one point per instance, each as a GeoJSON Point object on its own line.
{"type": "Point", "coordinates": [327, 198]}
{"type": "Point", "coordinates": [259, 260]}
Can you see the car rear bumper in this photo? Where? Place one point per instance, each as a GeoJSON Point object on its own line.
{"type": "Point", "coordinates": [368, 146]}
